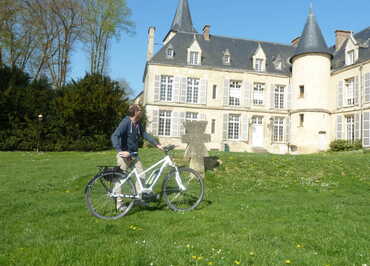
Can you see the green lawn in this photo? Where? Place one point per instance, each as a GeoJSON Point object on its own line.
{"type": "Point", "coordinates": [259, 210]}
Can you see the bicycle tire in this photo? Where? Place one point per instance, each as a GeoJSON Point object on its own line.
{"type": "Point", "coordinates": [189, 199]}
{"type": "Point", "coordinates": [99, 199]}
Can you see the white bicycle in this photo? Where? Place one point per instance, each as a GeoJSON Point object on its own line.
{"type": "Point", "coordinates": [182, 188]}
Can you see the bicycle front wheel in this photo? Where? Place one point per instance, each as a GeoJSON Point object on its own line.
{"type": "Point", "coordinates": [110, 195]}
{"type": "Point", "coordinates": [185, 199]}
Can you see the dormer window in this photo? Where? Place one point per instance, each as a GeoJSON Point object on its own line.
{"type": "Point", "coordinates": [170, 53]}
{"type": "Point", "coordinates": [194, 58]}
{"type": "Point", "coordinates": [194, 53]}
{"type": "Point", "coordinates": [227, 57]}
{"type": "Point", "coordinates": [259, 59]}
{"type": "Point", "coordinates": [259, 64]}
{"type": "Point", "coordinates": [350, 57]}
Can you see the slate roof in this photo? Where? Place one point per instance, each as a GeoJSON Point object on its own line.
{"type": "Point", "coordinates": [312, 40]}
{"type": "Point", "coordinates": [182, 20]}
{"type": "Point", "coordinates": [241, 50]}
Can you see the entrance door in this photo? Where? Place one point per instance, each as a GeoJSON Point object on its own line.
{"type": "Point", "coordinates": [257, 131]}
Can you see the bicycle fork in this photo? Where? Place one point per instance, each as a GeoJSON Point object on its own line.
{"type": "Point", "coordinates": [178, 180]}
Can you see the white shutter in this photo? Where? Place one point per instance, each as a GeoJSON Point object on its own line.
{"type": "Point", "coordinates": [155, 122]}
{"type": "Point", "coordinates": [203, 117]}
{"type": "Point", "coordinates": [175, 124]}
{"type": "Point", "coordinates": [176, 90]}
{"type": "Point", "coordinates": [245, 128]}
{"type": "Point", "coordinates": [246, 94]}
{"type": "Point", "coordinates": [272, 98]}
{"type": "Point", "coordinates": [226, 92]}
{"type": "Point", "coordinates": [157, 87]}
{"type": "Point", "coordinates": [181, 127]}
{"type": "Point", "coordinates": [355, 91]}
{"type": "Point", "coordinates": [367, 87]}
{"type": "Point", "coordinates": [366, 126]}
{"type": "Point", "coordinates": [203, 91]}
{"type": "Point", "coordinates": [287, 130]}
{"type": "Point", "coordinates": [340, 94]}
{"type": "Point", "coordinates": [289, 97]}
{"type": "Point", "coordinates": [357, 126]}
{"type": "Point", "coordinates": [339, 127]}
{"type": "Point", "coordinates": [183, 89]}
{"type": "Point", "coordinates": [225, 126]}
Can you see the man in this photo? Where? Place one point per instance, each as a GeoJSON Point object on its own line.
{"type": "Point", "coordinates": [125, 140]}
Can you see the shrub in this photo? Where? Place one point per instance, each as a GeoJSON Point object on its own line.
{"type": "Point", "coordinates": [345, 145]}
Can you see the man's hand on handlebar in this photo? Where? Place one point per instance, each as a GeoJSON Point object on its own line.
{"type": "Point", "coordinates": [124, 154]}
{"type": "Point", "coordinates": [159, 146]}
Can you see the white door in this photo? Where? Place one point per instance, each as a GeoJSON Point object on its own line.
{"type": "Point", "coordinates": [322, 141]}
{"type": "Point", "coordinates": [257, 131]}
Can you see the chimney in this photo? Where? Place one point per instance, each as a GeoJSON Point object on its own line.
{"type": "Point", "coordinates": [295, 42]}
{"type": "Point", "coordinates": [206, 31]}
{"type": "Point", "coordinates": [150, 48]}
{"type": "Point", "coordinates": [340, 37]}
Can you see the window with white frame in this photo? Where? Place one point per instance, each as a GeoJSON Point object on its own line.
{"type": "Point", "coordinates": [349, 85]}
{"type": "Point", "coordinates": [278, 129]}
{"type": "Point", "coordinates": [164, 123]}
{"type": "Point", "coordinates": [350, 57]}
{"type": "Point", "coordinates": [191, 116]}
{"type": "Point", "coordinates": [279, 96]}
{"type": "Point", "coordinates": [234, 127]}
{"type": "Point", "coordinates": [350, 124]}
{"type": "Point", "coordinates": [258, 93]}
{"type": "Point", "coordinates": [166, 88]}
{"type": "Point", "coordinates": [227, 59]}
{"type": "Point", "coordinates": [258, 64]}
{"type": "Point", "coordinates": [170, 53]}
{"type": "Point", "coordinates": [194, 58]}
{"type": "Point", "coordinates": [235, 92]}
{"type": "Point", "coordinates": [192, 90]}
{"type": "Point", "coordinates": [257, 120]}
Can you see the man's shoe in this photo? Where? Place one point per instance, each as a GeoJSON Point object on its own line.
{"type": "Point", "coordinates": [121, 208]}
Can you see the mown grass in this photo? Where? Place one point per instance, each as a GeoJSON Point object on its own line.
{"type": "Point", "coordinates": [259, 209]}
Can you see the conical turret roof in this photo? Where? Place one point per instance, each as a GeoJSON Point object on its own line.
{"type": "Point", "coordinates": [312, 40]}
{"type": "Point", "coordinates": [182, 20]}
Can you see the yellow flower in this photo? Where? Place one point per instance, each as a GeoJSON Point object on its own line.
{"type": "Point", "coordinates": [194, 257]}
{"type": "Point", "coordinates": [252, 253]}
{"type": "Point", "coordinates": [210, 263]}
{"type": "Point", "coordinates": [67, 191]}
{"type": "Point", "coordinates": [237, 262]}
{"type": "Point", "coordinates": [200, 258]}
{"type": "Point", "coordinates": [287, 262]}
{"type": "Point", "coordinates": [299, 246]}
{"type": "Point", "coordinates": [188, 246]}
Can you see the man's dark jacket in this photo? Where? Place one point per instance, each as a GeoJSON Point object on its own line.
{"type": "Point", "coordinates": [127, 134]}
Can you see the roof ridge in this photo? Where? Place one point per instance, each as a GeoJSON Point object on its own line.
{"type": "Point", "coordinates": [238, 38]}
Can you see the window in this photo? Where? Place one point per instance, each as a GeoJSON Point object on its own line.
{"type": "Point", "coordinates": [350, 57]}
{"type": "Point", "coordinates": [166, 88]}
{"type": "Point", "coordinates": [192, 90]}
{"type": "Point", "coordinates": [164, 123]}
{"type": "Point", "coordinates": [213, 126]}
{"type": "Point", "coordinates": [234, 126]}
{"type": "Point", "coordinates": [170, 53]}
{"type": "Point", "coordinates": [194, 58]}
{"type": "Point", "coordinates": [350, 127]}
{"type": "Point", "coordinates": [227, 59]}
{"type": "Point", "coordinates": [349, 90]}
{"type": "Point", "coordinates": [234, 93]}
{"type": "Point", "coordinates": [279, 96]}
{"type": "Point", "coordinates": [191, 116]}
{"type": "Point", "coordinates": [301, 91]}
{"type": "Point", "coordinates": [258, 93]}
{"type": "Point", "coordinates": [257, 120]}
{"type": "Point", "coordinates": [214, 92]}
{"type": "Point", "coordinates": [278, 129]}
{"type": "Point", "coordinates": [301, 120]}
{"type": "Point", "coordinates": [259, 65]}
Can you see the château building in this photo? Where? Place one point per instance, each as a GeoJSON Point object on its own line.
{"type": "Point", "coordinates": [259, 95]}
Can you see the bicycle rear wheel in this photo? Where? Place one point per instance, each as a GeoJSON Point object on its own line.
{"type": "Point", "coordinates": [101, 195]}
{"type": "Point", "coordinates": [183, 200]}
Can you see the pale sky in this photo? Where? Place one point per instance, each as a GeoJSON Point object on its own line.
{"type": "Point", "coordinates": [263, 20]}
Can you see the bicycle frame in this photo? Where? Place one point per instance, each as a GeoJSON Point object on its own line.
{"type": "Point", "coordinates": [166, 161]}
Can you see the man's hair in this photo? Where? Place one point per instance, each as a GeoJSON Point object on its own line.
{"type": "Point", "coordinates": [133, 108]}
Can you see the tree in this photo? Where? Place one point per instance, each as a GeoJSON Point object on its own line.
{"type": "Point", "coordinates": [104, 20]}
